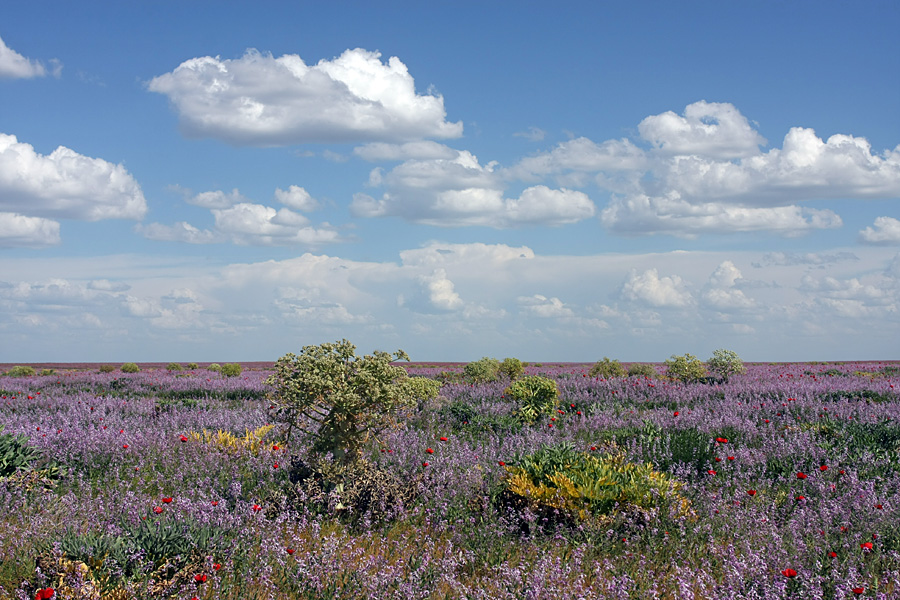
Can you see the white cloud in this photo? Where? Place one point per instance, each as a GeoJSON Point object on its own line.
{"type": "Point", "coordinates": [886, 230]}
{"type": "Point", "coordinates": [462, 192]}
{"type": "Point", "coordinates": [265, 101]}
{"type": "Point", "coordinates": [641, 214]}
{"type": "Point", "coordinates": [217, 199]}
{"type": "Point", "coordinates": [297, 198]}
{"type": "Point", "coordinates": [255, 224]}
{"type": "Point", "coordinates": [712, 129]}
{"type": "Point", "coordinates": [15, 66]}
{"type": "Point", "coordinates": [179, 232]}
{"type": "Point", "coordinates": [65, 184]}
{"type": "Point", "coordinates": [543, 307]}
{"type": "Point", "coordinates": [18, 231]}
{"type": "Point", "coordinates": [533, 134]}
{"type": "Point", "coordinates": [649, 288]}
{"type": "Point", "coordinates": [721, 291]}
{"type": "Point", "coordinates": [581, 154]}
{"type": "Point", "coordinates": [422, 150]}
{"type": "Point", "coordinates": [440, 290]}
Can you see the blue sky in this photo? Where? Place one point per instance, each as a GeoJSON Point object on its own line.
{"type": "Point", "coordinates": [216, 181]}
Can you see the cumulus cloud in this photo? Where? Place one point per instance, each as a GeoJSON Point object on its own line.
{"type": "Point", "coordinates": [18, 231]}
{"type": "Point", "coordinates": [217, 199]}
{"type": "Point", "coordinates": [582, 155]}
{"type": "Point", "coordinates": [649, 288]}
{"type": "Point", "coordinates": [533, 134]}
{"type": "Point", "coordinates": [541, 306]}
{"type": "Point", "coordinates": [463, 192]}
{"type": "Point", "coordinates": [65, 185]}
{"type": "Point", "coordinates": [722, 292]}
{"type": "Point", "coordinates": [440, 291]}
{"type": "Point", "coordinates": [712, 129]}
{"type": "Point", "coordinates": [423, 150]}
{"type": "Point", "coordinates": [15, 66]}
{"type": "Point", "coordinates": [178, 232]}
{"type": "Point", "coordinates": [297, 198]}
{"type": "Point", "coordinates": [886, 230]}
{"type": "Point", "coordinates": [260, 100]}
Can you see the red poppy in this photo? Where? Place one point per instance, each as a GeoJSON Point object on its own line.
{"type": "Point", "coordinates": [751, 492]}
{"type": "Point", "coordinates": [44, 594]}
{"type": "Point", "coordinates": [424, 464]}
{"type": "Point", "coordinates": [767, 420]}
{"type": "Point", "coordinates": [721, 440]}
{"type": "Point", "coordinates": [866, 546]}
{"type": "Point", "coordinates": [730, 458]}
{"type": "Point", "coordinates": [157, 509]}
{"type": "Point", "coordinates": [443, 439]}
{"type": "Point", "coordinates": [832, 554]}
{"type": "Point", "coordinates": [801, 475]}
{"type": "Point", "coordinates": [878, 506]}
{"type": "Point", "coordinates": [801, 497]}
{"type": "Point", "coordinates": [859, 590]}
{"type": "Point", "coordinates": [183, 438]}
{"type": "Point", "coordinates": [593, 448]}
{"type": "Point", "coordinates": [823, 468]}
{"type": "Point", "coordinates": [257, 508]}
{"type": "Point", "coordinates": [841, 471]}
{"type": "Point", "coordinates": [167, 500]}
{"type": "Point", "coordinates": [711, 472]}
{"type": "Point", "coordinates": [789, 573]}
{"type": "Point", "coordinates": [217, 566]}
{"type": "Point", "coordinates": [200, 577]}
{"type": "Point", "coordinates": [275, 466]}
{"type": "Point", "coordinates": [125, 446]}
{"type": "Point", "coordinates": [289, 550]}
{"type": "Point", "coordinates": [215, 503]}
{"type": "Point", "coordinates": [718, 459]}
{"type": "Point", "coordinates": [429, 450]}
{"type": "Point", "coordinates": [501, 463]}
{"type": "Point", "coordinates": [675, 413]}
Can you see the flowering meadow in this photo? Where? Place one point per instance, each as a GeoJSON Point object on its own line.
{"type": "Point", "coordinates": [181, 485]}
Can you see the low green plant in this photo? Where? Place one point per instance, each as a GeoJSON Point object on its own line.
{"type": "Point", "coordinates": [106, 368]}
{"type": "Point", "coordinates": [725, 363]}
{"type": "Point", "coordinates": [535, 396]}
{"type": "Point", "coordinates": [174, 366]}
{"type": "Point", "coordinates": [512, 368]}
{"type": "Point", "coordinates": [483, 370]}
{"type": "Point", "coordinates": [130, 368]}
{"type": "Point", "coordinates": [231, 370]}
{"type": "Point", "coordinates": [20, 371]}
{"type": "Point", "coordinates": [214, 367]}
{"type": "Point", "coordinates": [686, 368]}
{"type": "Point", "coordinates": [15, 454]}
{"type": "Point", "coordinates": [641, 370]}
{"type": "Point", "coordinates": [607, 369]}
{"type": "Point", "coordinates": [191, 366]}
{"type": "Point", "coordinates": [46, 372]}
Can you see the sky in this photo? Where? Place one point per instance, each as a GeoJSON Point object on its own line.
{"type": "Point", "coordinates": [232, 181]}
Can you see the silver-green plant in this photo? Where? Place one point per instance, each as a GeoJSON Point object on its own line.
{"type": "Point", "coordinates": [725, 363]}
{"type": "Point", "coordinates": [338, 401]}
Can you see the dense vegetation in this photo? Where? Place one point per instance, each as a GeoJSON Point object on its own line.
{"type": "Point", "coordinates": [770, 481]}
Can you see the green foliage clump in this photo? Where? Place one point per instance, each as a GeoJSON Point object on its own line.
{"type": "Point", "coordinates": [607, 369]}
{"type": "Point", "coordinates": [725, 363]}
{"type": "Point", "coordinates": [584, 485]}
{"type": "Point", "coordinates": [338, 400]}
{"type": "Point", "coordinates": [107, 368]}
{"type": "Point", "coordinates": [641, 370]}
{"type": "Point", "coordinates": [687, 368]}
{"type": "Point", "coordinates": [483, 370]}
{"type": "Point", "coordinates": [19, 460]}
{"type": "Point", "coordinates": [231, 370]}
{"type": "Point", "coordinates": [130, 367]}
{"type": "Point", "coordinates": [173, 366]}
{"type": "Point", "coordinates": [512, 368]}
{"type": "Point", "coordinates": [192, 366]}
{"type": "Point", "coordinates": [20, 371]}
{"type": "Point", "coordinates": [216, 367]}
{"type": "Point", "coordinates": [46, 372]}
{"type": "Point", "coordinates": [535, 395]}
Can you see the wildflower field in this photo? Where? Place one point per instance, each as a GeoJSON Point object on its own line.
{"type": "Point", "coordinates": [781, 482]}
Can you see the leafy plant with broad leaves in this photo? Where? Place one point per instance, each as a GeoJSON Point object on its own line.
{"type": "Point", "coordinates": [535, 396]}
{"type": "Point", "coordinates": [338, 401]}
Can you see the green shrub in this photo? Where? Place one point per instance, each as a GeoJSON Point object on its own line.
{"type": "Point", "coordinates": [483, 370]}
{"type": "Point", "coordinates": [191, 366]}
{"type": "Point", "coordinates": [686, 368]}
{"type": "Point", "coordinates": [173, 366]}
{"type": "Point", "coordinates": [338, 400]}
{"type": "Point", "coordinates": [231, 369]}
{"type": "Point", "coordinates": [15, 454]}
{"type": "Point", "coordinates": [130, 368]}
{"type": "Point", "coordinates": [20, 371]}
{"type": "Point", "coordinates": [641, 370]}
{"type": "Point", "coordinates": [607, 369]}
{"type": "Point", "coordinates": [582, 485]}
{"type": "Point", "coordinates": [535, 396]}
{"type": "Point", "coordinates": [46, 372]}
{"type": "Point", "coordinates": [107, 368]}
{"type": "Point", "coordinates": [214, 367]}
{"type": "Point", "coordinates": [725, 363]}
{"type": "Point", "coordinates": [512, 368]}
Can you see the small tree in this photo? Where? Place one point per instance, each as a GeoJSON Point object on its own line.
{"type": "Point", "coordinates": [607, 369]}
{"type": "Point", "coordinates": [339, 400]}
{"type": "Point", "coordinates": [483, 370]}
{"type": "Point", "coordinates": [687, 368]}
{"type": "Point", "coordinates": [512, 368]}
{"type": "Point", "coordinates": [725, 363]}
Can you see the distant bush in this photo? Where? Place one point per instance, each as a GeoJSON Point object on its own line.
{"type": "Point", "coordinates": [535, 396]}
{"type": "Point", "coordinates": [20, 371]}
{"type": "Point", "coordinates": [107, 368]}
{"type": "Point", "coordinates": [214, 367]}
{"type": "Point", "coordinates": [191, 366]}
{"type": "Point", "coordinates": [607, 369]}
{"type": "Point", "coordinates": [231, 369]}
{"type": "Point", "coordinates": [512, 368]}
{"type": "Point", "coordinates": [48, 372]}
{"type": "Point", "coordinates": [130, 368]}
{"type": "Point", "coordinates": [725, 363]}
{"type": "Point", "coordinates": [641, 370]}
{"type": "Point", "coordinates": [687, 368]}
{"type": "Point", "coordinates": [173, 366]}
{"type": "Point", "coordinates": [483, 370]}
